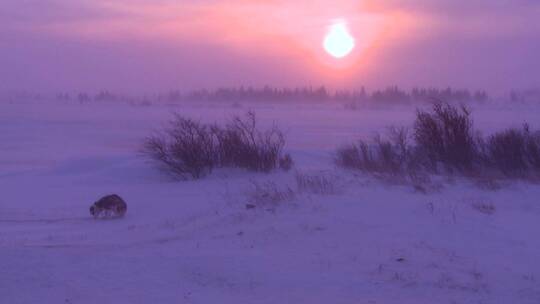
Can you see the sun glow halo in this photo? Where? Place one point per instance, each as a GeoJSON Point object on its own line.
{"type": "Point", "coordinates": [338, 41]}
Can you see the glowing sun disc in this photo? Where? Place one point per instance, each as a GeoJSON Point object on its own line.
{"type": "Point", "coordinates": [338, 41]}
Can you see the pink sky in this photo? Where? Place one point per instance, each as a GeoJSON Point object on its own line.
{"type": "Point", "coordinates": [154, 45]}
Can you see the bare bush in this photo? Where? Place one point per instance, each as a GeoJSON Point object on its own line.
{"type": "Point", "coordinates": [387, 156]}
{"type": "Point", "coordinates": [185, 148]}
{"type": "Point", "coordinates": [190, 149]}
{"type": "Point", "coordinates": [506, 151]}
{"type": "Point", "coordinates": [395, 153]}
{"type": "Point", "coordinates": [515, 152]}
{"type": "Point", "coordinates": [317, 184]}
{"type": "Point", "coordinates": [348, 156]}
{"type": "Point", "coordinates": [443, 136]}
{"type": "Point", "coordinates": [446, 136]}
{"type": "Point", "coordinates": [241, 144]}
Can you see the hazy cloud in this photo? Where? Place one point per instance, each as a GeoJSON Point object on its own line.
{"type": "Point", "coordinates": [164, 44]}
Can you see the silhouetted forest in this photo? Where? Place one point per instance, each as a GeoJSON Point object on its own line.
{"type": "Point", "coordinates": [392, 95]}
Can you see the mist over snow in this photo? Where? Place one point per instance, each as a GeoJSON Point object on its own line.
{"type": "Point", "coordinates": [317, 233]}
{"type": "Point", "coordinates": [269, 151]}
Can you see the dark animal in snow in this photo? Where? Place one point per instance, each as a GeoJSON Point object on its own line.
{"type": "Point", "coordinates": [110, 206]}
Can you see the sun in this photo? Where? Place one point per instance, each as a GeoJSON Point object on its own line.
{"type": "Point", "coordinates": [338, 42]}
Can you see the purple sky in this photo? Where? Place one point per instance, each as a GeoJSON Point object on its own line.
{"type": "Point", "coordinates": [147, 46]}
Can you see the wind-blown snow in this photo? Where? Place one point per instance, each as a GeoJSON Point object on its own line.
{"type": "Point", "coordinates": [195, 242]}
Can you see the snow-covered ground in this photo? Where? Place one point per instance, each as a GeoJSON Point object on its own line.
{"type": "Point", "coordinates": [195, 241]}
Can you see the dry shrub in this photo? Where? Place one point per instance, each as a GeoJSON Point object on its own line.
{"type": "Point", "coordinates": [445, 138]}
{"type": "Point", "coordinates": [515, 152]}
{"type": "Point", "coordinates": [506, 151]}
{"type": "Point", "coordinates": [383, 156]}
{"type": "Point", "coordinates": [240, 144]}
{"type": "Point", "coordinates": [190, 149]}
{"type": "Point", "coordinates": [185, 148]}
{"type": "Point", "coordinates": [445, 135]}
{"type": "Point", "coordinates": [348, 156]}
{"type": "Point", "coordinates": [395, 153]}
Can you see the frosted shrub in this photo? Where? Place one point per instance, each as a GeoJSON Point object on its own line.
{"type": "Point", "coordinates": [445, 135]}
{"type": "Point", "coordinates": [240, 144]}
{"type": "Point", "coordinates": [515, 152]}
{"type": "Point", "coordinates": [444, 138]}
{"type": "Point", "coordinates": [186, 148]}
{"type": "Point", "coordinates": [506, 151]}
{"type": "Point", "coordinates": [387, 156]}
{"type": "Point", "coordinates": [190, 149]}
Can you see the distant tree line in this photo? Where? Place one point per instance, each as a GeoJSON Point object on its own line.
{"type": "Point", "coordinates": [390, 95]}
{"type": "Point", "coordinates": [532, 95]}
